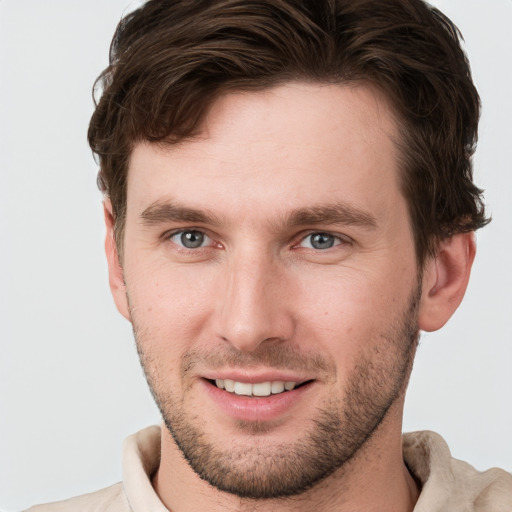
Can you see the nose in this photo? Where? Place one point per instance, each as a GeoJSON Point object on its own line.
{"type": "Point", "coordinates": [253, 304]}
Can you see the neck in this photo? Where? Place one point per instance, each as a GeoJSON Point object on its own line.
{"type": "Point", "coordinates": [375, 479]}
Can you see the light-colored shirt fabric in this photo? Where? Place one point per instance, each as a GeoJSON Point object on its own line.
{"type": "Point", "coordinates": [448, 484]}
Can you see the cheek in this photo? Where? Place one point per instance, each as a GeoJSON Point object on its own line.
{"type": "Point", "coordinates": [169, 305]}
{"type": "Point", "coordinates": [336, 309]}
{"type": "Point", "coordinates": [347, 311]}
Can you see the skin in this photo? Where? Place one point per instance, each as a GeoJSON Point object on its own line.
{"type": "Point", "coordinates": [257, 297]}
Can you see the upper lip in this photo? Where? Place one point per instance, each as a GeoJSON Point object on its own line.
{"type": "Point", "coordinates": [252, 377]}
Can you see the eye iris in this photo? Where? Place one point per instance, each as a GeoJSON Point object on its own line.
{"type": "Point", "coordinates": [192, 239]}
{"type": "Point", "coordinates": [322, 241]}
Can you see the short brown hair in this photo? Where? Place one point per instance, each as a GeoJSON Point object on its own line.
{"type": "Point", "coordinates": [170, 59]}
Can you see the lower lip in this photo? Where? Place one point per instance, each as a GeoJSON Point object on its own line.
{"type": "Point", "coordinates": [252, 409]}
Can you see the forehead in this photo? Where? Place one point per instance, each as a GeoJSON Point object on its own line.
{"type": "Point", "coordinates": [296, 143]}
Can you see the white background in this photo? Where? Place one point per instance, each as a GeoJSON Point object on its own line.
{"type": "Point", "coordinates": [70, 385]}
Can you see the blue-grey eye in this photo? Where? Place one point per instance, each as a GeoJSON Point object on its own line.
{"type": "Point", "coordinates": [191, 239]}
{"type": "Point", "coordinates": [320, 241]}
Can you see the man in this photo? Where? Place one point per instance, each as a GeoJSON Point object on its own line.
{"type": "Point", "coordinates": [288, 201]}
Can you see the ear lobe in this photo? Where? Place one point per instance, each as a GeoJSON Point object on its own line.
{"type": "Point", "coordinates": [115, 270]}
{"type": "Point", "coordinates": [445, 280]}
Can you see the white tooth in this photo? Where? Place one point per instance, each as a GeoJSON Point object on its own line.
{"type": "Point", "coordinates": [242, 388]}
{"type": "Point", "coordinates": [219, 383]}
{"type": "Point", "coordinates": [262, 389]}
{"type": "Point", "coordinates": [229, 385]}
{"type": "Point", "coordinates": [289, 386]}
{"type": "Point", "coordinates": [277, 387]}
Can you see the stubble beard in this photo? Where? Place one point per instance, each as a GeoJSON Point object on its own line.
{"type": "Point", "coordinates": [342, 427]}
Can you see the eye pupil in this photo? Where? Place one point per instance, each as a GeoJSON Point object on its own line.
{"type": "Point", "coordinates": [322, 241]}
{"type": "Point", "coordinates": [192, 239]}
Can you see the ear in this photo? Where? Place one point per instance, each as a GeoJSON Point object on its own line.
{"type": "Point", "coordinates": [115, 270]}
{"type": "Point", "coordinates": [445, 280]}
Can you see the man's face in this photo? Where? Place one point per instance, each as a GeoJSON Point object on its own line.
{"type": "Point", "coordinates": [275, 248]}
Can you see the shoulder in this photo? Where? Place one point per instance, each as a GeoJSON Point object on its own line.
{"type": "Point", "coordinates": [487, 491]}
{"type": "Point", "coordinates": [451, 484]}
{"type": "Point", "coordinates": [111, 499]}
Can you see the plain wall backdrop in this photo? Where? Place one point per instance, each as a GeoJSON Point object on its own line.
{"type": "Point", "coordinates": [70, 384]}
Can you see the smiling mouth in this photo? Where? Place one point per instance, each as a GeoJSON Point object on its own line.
{"type": "Point", "coordinates": [259, 389]}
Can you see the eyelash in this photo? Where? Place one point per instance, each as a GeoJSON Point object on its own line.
{"type": "Point", "coordinates": [169, 236]}
{"type": "Point", "coordinates": [337, 239]}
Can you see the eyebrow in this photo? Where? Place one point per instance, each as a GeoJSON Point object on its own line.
{"type": "Point", "coordinates": [162, 212]}
{"type": "Point", "coordinates": [339, 213]}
